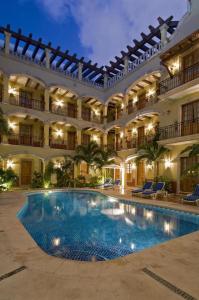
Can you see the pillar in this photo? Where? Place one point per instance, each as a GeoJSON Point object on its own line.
{"type": "Point", "coordinates": [47, 52]}
{"type": "Point", "coordinates": [46, 135]}
{"type": "Point", "coordinates": [163, 31]}
{"type": "Point", "coordinates": [5, 89]}
{"type": "Point", "coordinates": [105, 80]}
{"type": "Point", "coordinates": [126, 100]}
{"type": "Point", "coordinates": [79, 137]}
{"type": "Point", "coordinates": [126, 65]}
{"type": "Point", "coordinates": [79, 109]}
{"type": "Point", "coordinates": [178, 175]}
{"type": "Point", "coordinates": [105, 111]}
{"type": "Point", "coordinates": [7, 42]}
{"type": "Point", "coordinates": [123, 138]}
{"type": "Point", "coordinates": [46, 99]}
{"type": "Point", "coordinates": [123, 176]}
{"type": "Point", "coordinates": [105, 140]}
{"type": "Point", "coordinates": [80, 69]}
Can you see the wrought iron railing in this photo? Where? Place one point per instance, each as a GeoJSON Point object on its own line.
{"type": "Point", "coordinates": [62, 144]}
{"type": "Point", "coordinates": [64, 111]}
{"type": "Point", "coordinates": [179, 79]}
{"type": "Point", "coordinates": [28, 103]}
{"type": "Point", "coordinates": [179, 129]}
{"type": "Point", "coordinates": [25, 140]}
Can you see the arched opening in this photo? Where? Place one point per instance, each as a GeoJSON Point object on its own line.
{"type": "Point", "coordinates": [115, 107]}
{"type": "Point", "coordinates": [143, 93]}
{"type": "Point", "coordinates": [63, 102]}
{"type": "Point", "coordinates": [62, 136]}
{"type": "Point", "coordinates": [26, 91]}
{"type": "Point", "coordinates": [92, 134]}
{"type": "Point", "coordinates": [92, 110]}
{"type": "Point", "coordinates": [26, 130]}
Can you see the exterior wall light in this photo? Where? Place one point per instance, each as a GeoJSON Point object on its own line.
{"type": "Point", "coordinates": [58, 165]}
{"type": "Point", "coordinates": [168, 163]}
{"type": "Point", "coordinates": [133, 166]}
{"type": "Point", "coordinates": [10, 164]}
{"type": "Point", "coordinates": [121, 134]}
{"type": "Point", "coordinates": [149, 127]}
{"type": "Point", "coordinates": [134, 131]}
{"type": "Point", "coordinates": [59, 103]}
{"type": "Point", "coordinates": [149, 166]}
{"type": "Point", "coordinates": [59, 133]}
{"type": "Point", "coordinates": [151, 93]}
{"type": "Point", "coordinates": [12, 125]}
{"type": "Point", "coordinates": [13, 91]}
{"type": "Point", "coordinates": [135, 99]}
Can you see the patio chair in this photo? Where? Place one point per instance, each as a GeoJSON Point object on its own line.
{"type": "Point", "coordinates": [108, 183]}
{"type": "Point", "coordinates": [192, 198]}
{"type": "Point", "coordinates": [146, 186]}
{"type": "Point", "coordinates": [157, 189]}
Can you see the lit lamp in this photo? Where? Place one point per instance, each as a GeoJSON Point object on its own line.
{"type": "Point", "coordinates": [149, 128]}
{"type": "Point", "coordinates": [11, 125]}
{"type": "Point", "coordinates": [135, 99]}
{"type": "Point", "coordinates": [13, 91]}
{"type": "Point", "coordinates": [168, 163]}
{"type": "Point", "coordinates": [10, 164]}
{"type": "Point", "coordinates": [151, 93]}
{"type": "Point", "coordinates": [133, 166]}
{"type": "Point", "coordinates": [134, 131]}
{"type": "Point", "coordinates": [59, 132]}
{"type": "Point", "coordinates": [59, 103]}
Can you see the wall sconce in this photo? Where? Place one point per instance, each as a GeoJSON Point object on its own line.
{"type": "Point", "coordinates": [135, 99]}
{"type": "Point", "coordinates": [133, 166]}
{"type": "Point", "coordinates": [95, 138]}
{"type": "Point", "coordinates": [12, 125]}
{"type": "Point", "coordinates": [59, 133]}
{"type": "Point", "coordinates": [134, 131]}
{"type": "Point", "coordinates": [121, 134]}
{"type": "Point", "coordinates": [13, 91]}
{"type": "Point", "coordinates": [10, 164]}
{"type": "Point", "coordinates": [58, 165]}
{"type": "Point", "coordinates": [174, 67]}
{"type": "Point", "coordinates": [59, 103]}
{"type": "Point", "coordinates": [149, 127]}
{"type": "Point", "coordinates": [122, 105]}
{"type": "Point", "coordinates": [149, 166]}
{"type": "Point", "coordinates": [96, 112]}
{"type": "Point", "coordinates": [168, 163]}
{"type": "Point", "coordinates": [151, 93]}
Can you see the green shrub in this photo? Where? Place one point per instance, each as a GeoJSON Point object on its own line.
{"type": "Point", "coordinates": [7, 179]}
{"type": "Point", "coordinates": [37, 180]}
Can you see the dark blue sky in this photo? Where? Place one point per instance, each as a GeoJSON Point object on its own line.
{"type": "Point", "coordinates": [95, 29]}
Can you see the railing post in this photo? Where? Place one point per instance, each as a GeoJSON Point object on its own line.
{"type": "Point", "coordinates": [46, 99]}
{"type": "Point", "coordinates": [46, 135]}
{"type": "Point", "coordinates": [163, 32]}
{"type": "Point", "coordinates": [7, 42]}
{"type": "Point", "coordinates": [80, 68]}
{"type": "Point", "coordinates": [126, 65]}
{"type": "Point", "coordinates": [79, 109]}
{"type": "Point", "coordinates": [47, 53]}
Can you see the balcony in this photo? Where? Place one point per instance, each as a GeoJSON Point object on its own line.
{"type": "Point", "coordinates": [28, 103]}
{"type": "Point", "coordinates": [25, 140]}
{"type": "Point", "coordinates": [179, 129]}
{"type": "Point", "coordinates": [139, 141]}
{"type": "Point", "coordinates": [179, 79]}
{"type": "Point", "coordinates": [64, 111]}
{"type": "Point", "coordinates": [87, 116]}
{"type": "Point", "coordinates": [61, 144]}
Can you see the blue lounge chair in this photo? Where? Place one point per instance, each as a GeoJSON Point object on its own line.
{"type": "Point", "coordinates": [107, 184]}
{"type": "Point", "coordinates": [157, 189]}
{"type": "Point", "coordinates": [146, 186]}
{"type": "Point", "coordinates": [117, 182]}
{"type": "Point", "coordinates": [192, 198]}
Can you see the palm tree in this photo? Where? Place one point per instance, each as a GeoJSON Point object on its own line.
{"type": "Point", "coordinates": [105, 157]}
{"type": "Point", "coordinates": [152, 152]}
{"type": "Point", "coordinates": [4, 128]}
{"type": "Point", "coordinates": [193, 150]}
{"type": "Point", "coordinates": [65, 172]}
{"type": "Point", "coordinates": [88, 154]}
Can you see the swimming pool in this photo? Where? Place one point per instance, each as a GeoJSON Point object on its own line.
{"type": "Point", "coordinates": [89, 226]}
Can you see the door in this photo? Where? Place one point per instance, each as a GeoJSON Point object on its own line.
{"type": "Point", "coordinates": [86, 139]}
{"type": "Point", "coordinates": [140, 173]}
{"type": "Point", "coordinates": [141, 133]}
{"type": "Point", "coordinates": [71, 110]}
{"type": "Point", "coordinates": [142, 101]}
{"type": "Point", "coordinates": [25, 134]}
{"type": "Point", "coordinates": [25, 98]}
{"type": "Point", "coordinates": [86, 113]}
{"type": "Point", "coordinates": [190, 66]}
{"type": "Point", "coordinates": [26, 172]}
{"type": "Point", "coordinates": [190, 118]}
{"type": "Point", "coordinates": [71, 140]}
{"type": "Point", "coordinates": [187, 183]}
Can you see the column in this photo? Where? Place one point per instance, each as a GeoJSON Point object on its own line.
{"type": "Point", "coordinates": [46, 135]}
{"type": "Point", "coordinates": [122, 176]}
{"type": "Point", "coordinates": [46, 99]}
{"type": "Point", "coordinates": [126, 100]}
{"type": "Point", "coordinates": [123, 137]}
{"type": "Point", "coordinates": [5, 137]}
{"type": "Point", "coordinates": [80, 69]}
{"type": "Point", "coordinates": [105, 80]}
{"type": "Point", "coordinates": [79, 109]}
{"type": "Point", "coordinates": [126, 65]}
{"type": "Point", "coordinates": [178, 175]}
{"type": "Point", "coordinates": [105, 111]}
{"type": "Point", "coordinates": [163, 31]}
{"type": "Point", "coordinates": [47, 52]}
{"type": "Point", "coordinates": [7, 42]}
{"type": "Point", "coordinates": [105, 140]}
{"type": "Point", "coordinates": [5, 88]}
{"type": "Point", "coordinates": [79, 137]}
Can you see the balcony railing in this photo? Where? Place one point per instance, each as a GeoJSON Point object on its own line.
{"type": "Point", "coordinates": [66, 145]}
{"type": "Point", "coordinates": [179, 79]}
{"type": "Point", "coordinates": [25, 140]}
{"type": "Point", "coordinates": [179, 129]}
{"type": "Point", "coordinates": [64, 111]}
{"type": "Point", "coordinates": [28, 103]}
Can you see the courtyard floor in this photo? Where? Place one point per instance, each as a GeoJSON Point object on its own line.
{"type": "Point", "coordinates": [167, 271]}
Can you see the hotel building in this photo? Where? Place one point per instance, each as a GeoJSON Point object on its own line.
{"type": "Point", "coordinates": [54, 101]}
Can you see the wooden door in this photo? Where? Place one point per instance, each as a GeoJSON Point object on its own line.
{"type": "Point", "coordinates": [140, 173]}
{"type": "Point", "coordinates": [25, 133]}
{"type": "Point", "coordinates": [71, 140]}
{"type": "Point", "coordinates": [86, 113]}
{"type": "Point", "coordinates": [187, 183]}
{"type": "Point", "coordinates": [190, 118]}
{"type": "Point", "coordinates": [25, 98]}
{"type": "Point", "coordinates": [26, 172]}
{"type": "Point", "coordinates": [141, 133]}
{"type": "Point", "coordinates": [86, 139]}
{"type": "Point", "coordinates": [71, 110]}
{"type": "Point", "coordinates": [142, 101]}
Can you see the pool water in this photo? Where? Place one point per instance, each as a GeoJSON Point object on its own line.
{"type": "Point", "coordinates": [89, 226]}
